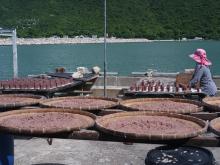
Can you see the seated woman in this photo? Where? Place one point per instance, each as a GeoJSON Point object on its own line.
{"type": "Point", "coordinates": [202, 74]}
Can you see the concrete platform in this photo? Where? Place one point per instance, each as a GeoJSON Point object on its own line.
{"type": "Point", "coordinates": [36, 151]}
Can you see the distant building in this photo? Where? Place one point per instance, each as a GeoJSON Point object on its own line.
{"type": "Point", "coordinates": [198, 38]}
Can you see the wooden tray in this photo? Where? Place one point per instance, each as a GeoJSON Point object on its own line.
{"type": "Point", "coordinates": [129, 105]}
{"type": "Point", "coordinates": [104, 122]}
{"type": "Point", "coordinates": [212, 103]}
{"type": "Point", "coordinates": [215, 126]}
{"type": "Point", "coordinates": [18, 100]}
{"type": "Point", "coordinates": [85, 103]}
{"type": "Point", "coordinates": [22, 122]}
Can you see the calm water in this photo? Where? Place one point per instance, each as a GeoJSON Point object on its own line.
{"type": "Point", "coordinates": [123, 58]}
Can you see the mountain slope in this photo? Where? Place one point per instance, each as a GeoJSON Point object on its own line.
{"type": "Point", "coordinates": [153, 19]}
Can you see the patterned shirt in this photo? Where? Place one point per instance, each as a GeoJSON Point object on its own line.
{"type": "Point", "coordinates": [203, 75]}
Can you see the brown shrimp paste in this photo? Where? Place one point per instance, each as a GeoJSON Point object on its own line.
{"type": "Point", "coordinates": [12, 100]}
{"type": "Point", "coordinates": [46, 121]}
{"type": "Point", "coordinates": [152, 125]}
{"type": "Point", "coordinates": [77, 102]}
{"type": "Point", "coordinates": [164, 105]}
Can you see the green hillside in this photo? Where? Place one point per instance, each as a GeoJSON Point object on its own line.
{"type": "Point", "coordinates": [152, 19]}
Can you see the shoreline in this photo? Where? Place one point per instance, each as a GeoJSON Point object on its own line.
{"type": "Point", "coordinates": [83, 40]}
{"type": "Point", "coordinates": [55, 40]}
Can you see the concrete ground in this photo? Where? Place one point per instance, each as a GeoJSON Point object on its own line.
{"type": "Point", "coordinates": [36, 151]}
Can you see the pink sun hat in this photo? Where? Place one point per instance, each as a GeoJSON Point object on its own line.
{"type": "Point", "coordinates": [200, 56]}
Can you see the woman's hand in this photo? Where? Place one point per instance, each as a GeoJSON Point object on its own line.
{"type": "Point", "coordinates": [183, 86]}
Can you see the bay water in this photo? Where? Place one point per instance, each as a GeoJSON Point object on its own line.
{"type": "Point", "coordinates": [124, 58]}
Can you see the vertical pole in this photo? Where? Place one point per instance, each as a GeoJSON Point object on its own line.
{"type": "Point", "coordinates": [15, 58]}
{"type": "Point", "coordinates": [105, 59]}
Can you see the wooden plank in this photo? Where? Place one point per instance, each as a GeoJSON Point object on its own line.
{"type": "Point", "coordinates": [204, 141]}
{"type": "Point", "coordinates": [84, 135]}
{"type": "Point", "coordinates": [109, 111]}
{"type": "Point", "coordinates": [206, 115]}
{"type": "Point", "coordinates": [82, 92]}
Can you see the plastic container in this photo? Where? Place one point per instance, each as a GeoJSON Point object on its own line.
{"type": "Point", "coordinates": [183, 155]}
{"type": "Point", "coordinates": [6, 149]}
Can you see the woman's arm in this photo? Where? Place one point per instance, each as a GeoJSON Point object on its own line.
{"type": "Point", "coordinates": [196, 76]}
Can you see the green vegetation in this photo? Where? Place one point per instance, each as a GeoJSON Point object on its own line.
{"type": "Point", "coordinates": [152, 19]}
